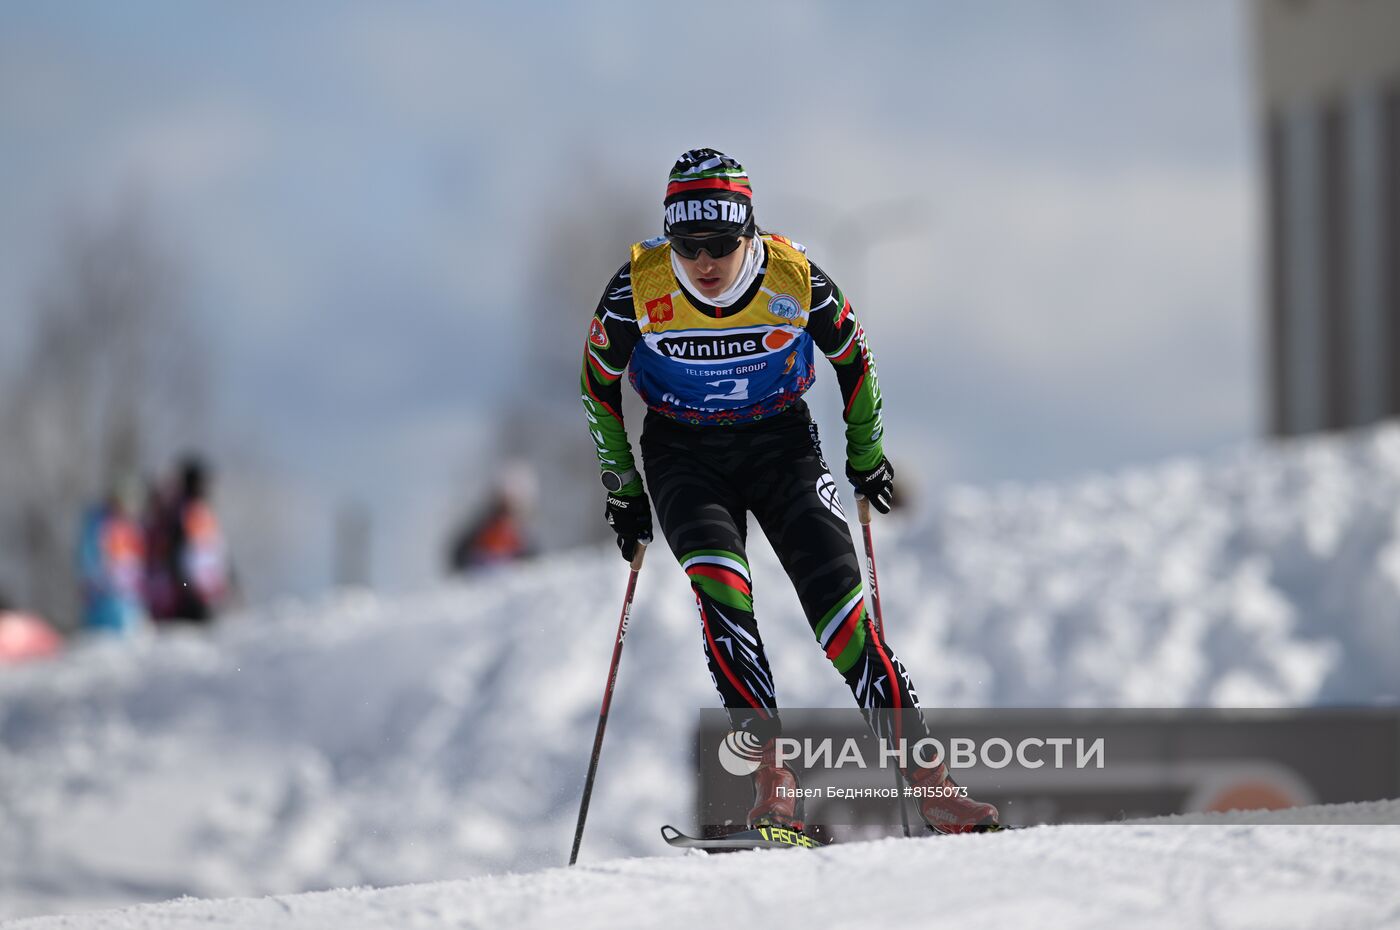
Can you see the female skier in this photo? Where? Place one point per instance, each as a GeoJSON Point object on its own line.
{"type": "Point", "coordinates": [715, 321]}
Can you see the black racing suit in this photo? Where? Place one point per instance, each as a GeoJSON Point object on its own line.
{"type": "Point", "coordinates": [705, 478]}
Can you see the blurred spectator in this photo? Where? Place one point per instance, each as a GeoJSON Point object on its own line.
{"type": "Point", "coordinates": [192, 545]}
{"type": "Point", "coordinates": [497, 534]}
{"type": "Point", "coordinates": [158, 527]}
{"type": "Point", "coordinates": [111, 560]}
{"type": "Point", "coordinates": [23, 636]}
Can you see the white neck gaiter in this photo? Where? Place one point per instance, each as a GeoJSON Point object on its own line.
{"type": "Point", "coordinates": [753, 262]}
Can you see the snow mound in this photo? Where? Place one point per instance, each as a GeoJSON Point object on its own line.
{"type": "Point", "coordinates": [382, 741]}
{"type": "Point", "coordinates": [1267, 577]}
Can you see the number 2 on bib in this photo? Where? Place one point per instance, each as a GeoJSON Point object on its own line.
{"type": "Point", "coordinates": [739, 392]}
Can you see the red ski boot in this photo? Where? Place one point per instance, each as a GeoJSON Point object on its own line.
{"type": "Point", "coordinates": [770, 806]}
{"type": "Point", "coordinates": [945, 806]}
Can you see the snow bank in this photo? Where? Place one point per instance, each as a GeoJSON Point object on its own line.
{"type": "Point", "coordinates": [1267, 577]}
{"type": "Point", "coordinates": [372, 741]}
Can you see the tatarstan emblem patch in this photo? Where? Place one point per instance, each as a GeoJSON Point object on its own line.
{"type": "Point", "coordinates": [660, 309]}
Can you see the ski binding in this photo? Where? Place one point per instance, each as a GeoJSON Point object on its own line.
{"type": "Point", "coordinates": [764, 837]}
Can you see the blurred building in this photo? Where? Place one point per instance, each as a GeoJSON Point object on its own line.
{"type": "Point", "coordinates": [1329, 108]}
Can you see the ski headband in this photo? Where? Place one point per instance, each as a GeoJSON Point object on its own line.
{"type": "Point", "coordinates": [708, 192]}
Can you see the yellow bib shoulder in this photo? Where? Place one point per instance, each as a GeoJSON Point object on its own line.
{"type": "Point", "coordinates": [660, 304]}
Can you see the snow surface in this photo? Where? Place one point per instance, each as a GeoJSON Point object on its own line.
{"type": "Point", "coordinates": [365, 741]}
{"type": "Point", "coordinates": [1220, 876]}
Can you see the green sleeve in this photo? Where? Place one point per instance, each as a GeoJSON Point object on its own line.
{"type": "Point", "coordinates": [833, 326]}
{"type": "Point", "coordinates": [612, 336]}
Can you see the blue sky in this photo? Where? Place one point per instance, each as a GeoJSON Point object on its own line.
{"type": "Point", "coordinates": [360, 190]}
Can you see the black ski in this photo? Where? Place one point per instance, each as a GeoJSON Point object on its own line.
{"type": "Point", "coordinates": [758, 838]}
{"type": "Point", "coordinates": [980, 828]}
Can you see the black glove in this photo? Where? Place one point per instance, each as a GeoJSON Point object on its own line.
{"type": "Point", "coordinates": [630, 518]}
{"type": "Point", "coordinates": [876, 485]}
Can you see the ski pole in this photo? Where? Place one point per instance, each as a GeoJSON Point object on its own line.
{"type": "Point", "coordinates": [863, 512]}
{"type": "Point", "coordinates": [607, 699]}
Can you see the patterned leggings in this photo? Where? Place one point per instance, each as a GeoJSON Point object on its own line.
{"type": "Point", "coordinates": [703, 480]}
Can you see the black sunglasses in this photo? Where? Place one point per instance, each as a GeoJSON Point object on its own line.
{"type": "Point", "coordinates": [717, 245]}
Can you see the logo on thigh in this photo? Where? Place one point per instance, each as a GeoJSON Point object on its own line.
{"type": "Point", "coordinates": [830, 495]}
